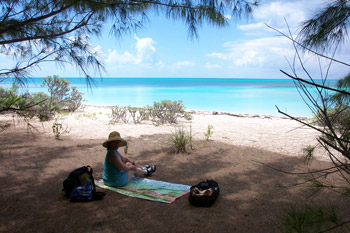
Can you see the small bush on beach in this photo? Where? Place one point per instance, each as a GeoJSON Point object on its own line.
{"type": "Point", "coordinates": [119, 114]}
{"type": "Point", "coordinates": [168, 112]}
{"type": "Point", "coordinates": [160, 113]}
{"type": "Point", "coordinates": [138, 114]}
{"type": "Point", "coordinates": [181, 139]}
{"type": "Point", "coordinates": [58, 129]}
{"type": "Point", "coordinates": [26, 106]}
{"type": "Point", "coordinates": [209, 132]}
{"type": "Point", "coordinates": [60, 95]}
{"type": "Point", "coordinates": [42, 105]}
{"type": "Point", "coordinates": [308, 153]}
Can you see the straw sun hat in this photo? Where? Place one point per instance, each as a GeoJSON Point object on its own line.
{"type": "Point", "coordinates": [114, 136]}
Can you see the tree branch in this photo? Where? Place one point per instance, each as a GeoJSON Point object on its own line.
{"type": "Point", "coordinates": [306, 48]}
{"type": "Point", "coordinates": [315, 84]}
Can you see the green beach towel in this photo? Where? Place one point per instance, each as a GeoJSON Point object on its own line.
{"type": "Point", "coordinates": [153, 190]}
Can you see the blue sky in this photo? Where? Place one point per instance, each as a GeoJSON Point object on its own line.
{"type": "Point", "coordinates": [244, 49]}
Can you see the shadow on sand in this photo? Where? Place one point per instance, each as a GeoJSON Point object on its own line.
{"type": "Point", "coordinates": [32, 169]}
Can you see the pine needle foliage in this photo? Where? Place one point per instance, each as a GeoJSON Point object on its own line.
{"type": "Point", "coordinates": [36, 31]}
{"type": "Point", "coordinates": [328, 27]}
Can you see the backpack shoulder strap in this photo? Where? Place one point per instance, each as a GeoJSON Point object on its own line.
{"type": "Point", "coordinates": [90, 171]}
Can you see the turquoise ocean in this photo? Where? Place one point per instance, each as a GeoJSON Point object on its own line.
{"type": "Point", "coordinates": [244, 96]}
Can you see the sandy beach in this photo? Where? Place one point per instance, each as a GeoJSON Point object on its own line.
{"type": "Point", "coordinates": [33, 165]}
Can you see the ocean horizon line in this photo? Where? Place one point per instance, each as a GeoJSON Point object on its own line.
{"type": "Point", "coordinates": [185, 78]}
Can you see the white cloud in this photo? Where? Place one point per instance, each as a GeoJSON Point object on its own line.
{"type": "Point", "coordinates": [160, 65]}
{"type": "Point", "coordinates": [278, 13]}
{"type": "Point", "coordinates": [259, 52]}
{"type": "Point", "coordinates": [115, 58]}
{"type": "Point", "coordinates": [228, 17]}
{"type": "Point", "coordinates": [182, 64]}
{"type": "Point", "coordinates": [98, 51]}
{"type": "Point", "coordinates": [145, 50]}
{"type": "Point", "coordinates": [253, 26]}
{"type": "Point", "coordinates": [144, 53]}
{"type": "Point", "coordinates": [212, 65]}
{"type": "Point", "coordinates": [272, 53]}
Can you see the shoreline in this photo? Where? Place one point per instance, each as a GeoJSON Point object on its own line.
{"type": "Point", "coordinates": [204, 112]}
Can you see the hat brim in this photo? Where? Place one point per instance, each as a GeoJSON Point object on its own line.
{"type": "Point", "coordinates": [122, 142]}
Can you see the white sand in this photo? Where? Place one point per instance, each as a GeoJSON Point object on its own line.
{"type": "Point", "coordinates": [274, 134]}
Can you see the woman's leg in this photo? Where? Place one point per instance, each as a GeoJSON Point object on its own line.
{"type": "Point", "coordinates": [139, 172]}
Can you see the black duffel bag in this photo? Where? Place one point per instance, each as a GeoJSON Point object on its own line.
{"type": "Point", "coordinates": [204, 194]}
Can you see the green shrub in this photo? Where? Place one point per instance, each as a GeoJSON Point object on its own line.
{"type": "Point", "coordinates": [138, 114]}
{"type": "Point", "coordinates": [181, 139]}
{"type": "Point", "coordinates": [308, 153]}
{"type": "Point", "coordinates": [23, 105]}
{"type": "Point", "coordinates": [74, 100]}
{"type": "Point", "coordinates": [41, 106]}
{"type": "Point", "coordinates": [57, 129]}
{"type": "Point", "coordinates": [60, 95]}
{"type": "Point", "coordinates": [168, 112]}
{"type": "Point", "coordinates": [119, 114]}
{"type": "Point", "coordinates": [10, 99]}
{"type": "Point", "coordinates": [209, 132]}
{"type": "Point", "coordinates": [160, 113]}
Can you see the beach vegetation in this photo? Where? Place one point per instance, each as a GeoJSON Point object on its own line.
{"type": "Point", "coordinates": [90, 115]}
{"type": "Point", "coordinates": [329, 105]}
{"type": "Point", "coordinates": [307, 218]}
{"type": "Point", "coordinates": [328, 28]}
{"type": "Point", "coordinates": [321, 35]}
{"type": "Point", "coordinates": [64, 114]}
{"type": "Point", "coordinates": [58, 129]}
{"type": "Point", "coordinates": [308, 153]}
{"type": "Point", "coordinates": [331, 108]}
{"type": "Point", "coordinates": [181, 139]}
{"type": "Point", "coordinates": [191, 137]}
{"type": "Point", "coordinates": [23, 105]}
{"type": "Point", "coordinates": [138, 114]}
{"type": "Point", "coordinates": [42, 108]}
{"type": "Point", "coordinates": [209, 132]}
{"type": "Point", "coordinates": [160, 113]}
{"type": "Point", "coordinates": [41, 105]}
{"type": "Point", "coordinates": [34, 32]}
{"type": "Point", "coordinates": [119, 113]}
{"type": "Point", "coordinates": [61, 96]}
{"type": "Point", "coordinates": [11, 100]}
{"type": "Point", "coordinates": [77, 117]}
{"type": "Point", "coordinates": [168, 111]}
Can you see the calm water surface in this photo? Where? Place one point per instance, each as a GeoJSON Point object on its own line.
{"type": "Point", "coordinates": [248, 96]}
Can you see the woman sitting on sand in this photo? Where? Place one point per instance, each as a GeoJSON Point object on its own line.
{"type": "Point", "coordinates": [118, 169]}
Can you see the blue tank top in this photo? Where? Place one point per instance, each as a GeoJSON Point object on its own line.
{"type": "Point", "coordinates": [112, 176]}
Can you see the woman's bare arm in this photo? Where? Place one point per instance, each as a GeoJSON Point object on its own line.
{"type": "Point", "coordinates": [121, 165]}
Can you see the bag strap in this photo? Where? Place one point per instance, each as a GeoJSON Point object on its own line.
{"type": "Point", "coordinates": [90, 171]}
